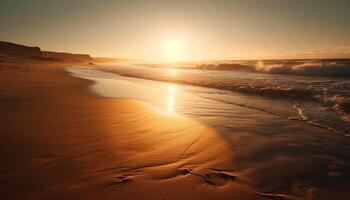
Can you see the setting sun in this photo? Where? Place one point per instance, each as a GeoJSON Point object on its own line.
{"type": "Point", "coordinates": [173, 51]}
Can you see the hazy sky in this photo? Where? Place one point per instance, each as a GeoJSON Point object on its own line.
{"type": "Point", "coordinates": [241, 29]}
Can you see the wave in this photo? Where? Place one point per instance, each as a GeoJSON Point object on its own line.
{"type": "Point", "coordinates": [302, 114]}
{"type": "Point", "coordinates": [330, 67]}
{"type": "Point", "coordinates": [339, 104]}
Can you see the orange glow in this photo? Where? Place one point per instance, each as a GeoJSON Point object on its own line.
{"type": "Point", "coordinates": [173, 51]}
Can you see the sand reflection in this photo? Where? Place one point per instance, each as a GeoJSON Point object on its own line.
{"type": "Point", "coordinates": [171, 97]}
{"type": "Point", "coordinates": [161, 95]}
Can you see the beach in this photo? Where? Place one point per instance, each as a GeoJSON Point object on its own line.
{"type": "Point", "coordinates": [71, 131]}
{"type": "Point", "coordinates": [59, 141]}
{"type": "Point", "coordinates": [274, 143]}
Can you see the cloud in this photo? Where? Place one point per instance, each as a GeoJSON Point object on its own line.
{"type": "Point", "coordinates": [324, 52]}
{"type": "Point", "coordinates": [335, 52]}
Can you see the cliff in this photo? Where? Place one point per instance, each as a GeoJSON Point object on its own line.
{"type": "Point", "coordinates": [16, 50]}
{"type": "Point", "coordinates": [12, 50]}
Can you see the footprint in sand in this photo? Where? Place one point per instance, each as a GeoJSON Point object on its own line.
{"type": "Point", "coordinates": [216, 178]}
{"type": "Point", "coordinates": [120, 180]}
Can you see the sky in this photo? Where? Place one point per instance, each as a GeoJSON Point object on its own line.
{"type": "Point", "coordinates": [181, 30]}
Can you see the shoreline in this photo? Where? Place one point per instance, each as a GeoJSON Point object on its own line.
{"type": "Point", "coordinates": [262, 144]}
{"type": "Point", "coordinates": [104, 89]}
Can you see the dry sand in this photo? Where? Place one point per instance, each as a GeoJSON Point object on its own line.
{"type": "Point", "coordinates": [58, 141]}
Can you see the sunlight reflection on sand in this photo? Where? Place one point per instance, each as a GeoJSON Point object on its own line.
{"type": "Point", "coordinates": [171, 97]}
{"type": "Point", "coordinates": [162, 95]}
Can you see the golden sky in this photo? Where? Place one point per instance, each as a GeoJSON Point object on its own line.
{"type": "Point", "coordinates": [181, 30]}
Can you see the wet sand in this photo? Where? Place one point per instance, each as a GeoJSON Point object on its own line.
{"type": "Point", "coordinates": [278, 154]}
{"type": "Point", "coordinates": [59, 141]}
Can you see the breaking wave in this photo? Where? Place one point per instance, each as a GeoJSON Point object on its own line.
{"type": "Point", "coordinates": [339, 67]}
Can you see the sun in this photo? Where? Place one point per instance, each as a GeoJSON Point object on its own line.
{"type": "Point", "coordinates": [173, 50]}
